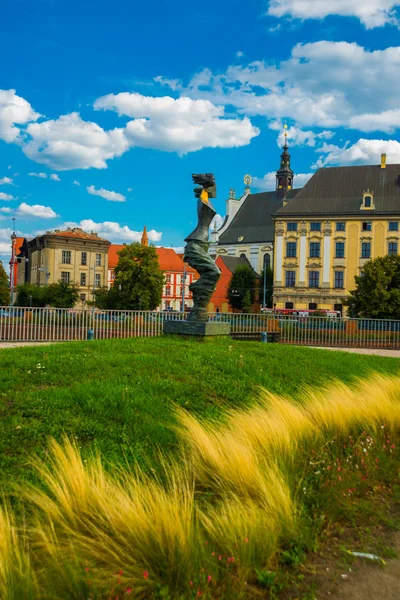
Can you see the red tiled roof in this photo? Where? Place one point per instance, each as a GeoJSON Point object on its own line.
{"type": "Point", "coordinates": [76, 234]}
{"type": "Point", "coordinates": [168, 259]}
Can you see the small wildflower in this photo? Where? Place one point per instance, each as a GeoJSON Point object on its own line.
{"type": "Point", "coordinates": [87, 569]}
{"type": "Point", "coordinates": [219, 557]}
{"type": "Point", "coordinates": [209, 578]}
{"type": "Point", "coordinates": [128, 591]}
{"type": "Point", "coordinates": [246, 539]}
{"type": "Point", "coordinates": [212, 553]}
{"type": "Point", "coordinates": [146, 574]}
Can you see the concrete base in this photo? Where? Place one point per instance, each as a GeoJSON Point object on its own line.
{"type": "Point", "coordinates": [197, 328]}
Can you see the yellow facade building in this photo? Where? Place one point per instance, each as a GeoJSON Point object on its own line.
{"type": "Point", "coordinates": [343, 217]}
{"type": "Point", "coordinates": [72, 256]}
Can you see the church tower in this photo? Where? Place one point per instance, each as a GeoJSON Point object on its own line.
{"type": "Point", "coordinates": [145, 239]}
{"type": "Point", "coordinates": [284, 175]}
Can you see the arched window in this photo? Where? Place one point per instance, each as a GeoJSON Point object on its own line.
{"type": "Point", "coordinates": [243, 255]}
{"type": "Point", "coordinates": [267, 261]}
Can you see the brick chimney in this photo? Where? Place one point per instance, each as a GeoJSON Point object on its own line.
{"type": "Point", "coordinates": [383, 161]}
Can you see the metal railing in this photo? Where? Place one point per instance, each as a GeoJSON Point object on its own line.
{"type": "Point", "coordinates": [60, 324]}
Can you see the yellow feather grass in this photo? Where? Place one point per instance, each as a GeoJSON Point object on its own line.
{"type": "Point", "coordinates": [17, 580]}
{"type": "Point", "coordinates": [89, 519]}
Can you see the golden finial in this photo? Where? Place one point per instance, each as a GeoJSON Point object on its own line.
{"type": "Point", "coordinates": [247, 180]}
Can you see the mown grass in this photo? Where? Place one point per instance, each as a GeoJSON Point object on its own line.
{"type": "Point", "coordinates": [118, 396]}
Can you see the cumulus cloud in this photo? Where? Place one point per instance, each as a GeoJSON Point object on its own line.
{"type": "Point", "coordinates": [182, 125]}
{"type": "Point", "coordinates": [322, 85]}
{"type": "Point", "coordinates": [35, 210]}
{"type": "Point", "coordinates": [299, 137]}
{"type": "Point", "coordinates": [5, 209]}
{"type": "Point", "coordinates": [4, 196]}
{"type": "Point", "coordinates": [363, 152]}
{"type": "Point", "coordinates": [39, 175]}
{"type": "Point", "coordinates": [76, 182]}
{"type": "Point", "coordinates": [71, 143]}
{"type": "Point", "coordinates": [372, 13]}
{"type": "Point", "coordinates": [6, 181]}
{"type": "Point", "coordinates": [107, 194]}
{"type": "Point", "coordinates": [54, 177]}
{"type": "Point", "coordinates": [14, 110]}
{"type": "Point", "coordinates": [268, 182]}
{"type": "Point", "coordinates": [114, 231]}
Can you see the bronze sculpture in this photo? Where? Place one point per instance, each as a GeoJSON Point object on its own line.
{"type": "Point", "coordinates": [196, 249]}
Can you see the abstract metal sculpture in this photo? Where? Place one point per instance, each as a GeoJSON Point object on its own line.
{"type": "Point", "coordinates": [196, 250]}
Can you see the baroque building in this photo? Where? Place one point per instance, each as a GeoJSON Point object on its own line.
{"type": "Point", "coordinates": [343, 217]}
{"type": "Point", "coordinates": [248, 228]}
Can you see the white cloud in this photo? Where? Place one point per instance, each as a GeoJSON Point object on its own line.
{"type": "Point", "coordinates": [76, 182]}
{"type": "Point", "coordinates": [217, 222]}
{"type": "Point", "coordinates": [268, 182]}
{"type": "Point", "coordinates": [239, 54]}
{"type": "Point", "coordinates": [322, 85]}
{"type": "Point", "coordinates": [5, 209]}
{"type": "Point", "coordinates": [299, 137]}
{"type": "Point", "coordinates": [35, 210]}
{"type": "Point", "coordinates": [372, 13]}
{"type": "Point", "coordinates": [182, 125]}
{"type": "Point", "coordinates": [54, 177]}
{"type": "Point", "coordinates": [107, 194]}
{"type": "Point", "coordinates": [129, 189]}
{"type": "Point", "coordinates": [173, 84]}
{"type": "Point", "coordinates": [363, 152]}
{"type": "Point", "coordinates": [40, 175]}
{"type": "Point", "coordinates": [14, 110]}
{"type": "Point", "coordinates": [114, 231]}
{"type": "Point", "coordinates": [71, 143]}
{"type": "Point", "coordinates": [4, 196]}
{"type": "Point", "coordinates": [6, 181]}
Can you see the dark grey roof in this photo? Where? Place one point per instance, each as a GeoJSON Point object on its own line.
{"type": "Point", "coordinates": [253, 220]}
{"type": "Point", "coordinates": [339, 191]}
{"type": "Point", "coordinates": [231, 262]}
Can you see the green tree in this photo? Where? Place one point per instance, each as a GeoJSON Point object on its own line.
{"type": "Point", "coordinates": [61, 294]}
{"type": "Point", "coordinates": [377, 293]}
{"type": "Point", "coordinates": [269, 286]}
{"type": "Point", "coordinates": [30, 295]}
{"type": "Point", "coordinates": [242, 288]}
{"type": "Point", "coordinates": [138, 282]}
{"type": "Point", "coordinates": [4, 287]}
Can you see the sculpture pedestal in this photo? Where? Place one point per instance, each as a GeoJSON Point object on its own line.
{"type": "Point", "coordinates": [200, 329]}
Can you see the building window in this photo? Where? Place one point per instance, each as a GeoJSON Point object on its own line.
{"type": "Point", "coordinates": [367, 201]}
{"type": "Point", "coordinates": [267, 261]}
{"type": "Point", "coordinates": [315, 249]}
{"type": "Point", "coordinates": [366, 250]}
{"type": "Point", "coordinates": [315, 226]}
{"type": "Point", "coordinates": [312, 306]}
{"type": "Point", "coordinates": [392, 248]}
{"type": "Point", "coordinates": [167, 303]}
{"type": "Point", "coordinates": [340, 226]}
{"type": "Point", "coordinates": [291, 249]}
{"type": "Point", "coordinates": [393, 225]}
{"type": "Point", "coordinates": [65, 276]}
{"type": "Point", "coordinates": [98, 260]}
{"type": "Point", "coordinates": [291, 227]}
{"type": "Point", "coordinates": [289, 305]}
{"type": "Point", "coordinates": [168, 278]}
{"type": "Point", "coordinates": [66, 257]}
{"type": "Point", "coordinates": [338, 308]}
{"type": "Point", "coordinates": [313, 279]}
{"type": "Point", "coordinates": [97, 280]}
{"type": "Point", "coordinates": [84, 259]}
{"type": "Point", "coordinates": [290, 279]}
{"type": "Point", "coordinates": [167, 291]}
{"type": "Point", "coordinates": [367, 226]}
{"type": "Point", "coordinates": [339, 279]}
{"type": "Point", "coordinates": [83, 278]}
{"type": "Point", "coordinates": [112, 275]}
{"type": "Point", "coordinates": [339, 250]}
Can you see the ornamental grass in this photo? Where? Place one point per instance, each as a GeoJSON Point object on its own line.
{"type": "Point", "coordinates": [243, 499]}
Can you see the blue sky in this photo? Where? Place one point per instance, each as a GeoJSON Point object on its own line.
{"type": "Point", "coordinates": [106, 108]}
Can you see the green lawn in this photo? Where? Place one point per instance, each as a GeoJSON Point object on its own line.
{"type": "Point", "coordinates": [117, 395]}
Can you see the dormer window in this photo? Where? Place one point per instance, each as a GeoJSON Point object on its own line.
{"type": "Point", "coordinates": [368, 201]}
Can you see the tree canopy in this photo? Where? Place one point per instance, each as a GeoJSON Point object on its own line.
{"type": "Point", "coordinates": [59, 295]}
{"type": "Point", "coordinates": [138, 282]}
{"type": "Point", "coordinates": [377, 292]}
{"type": "Point", "coordinates": [4, 287]}
{"type": "Point", "coordinates": [242, 288]}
